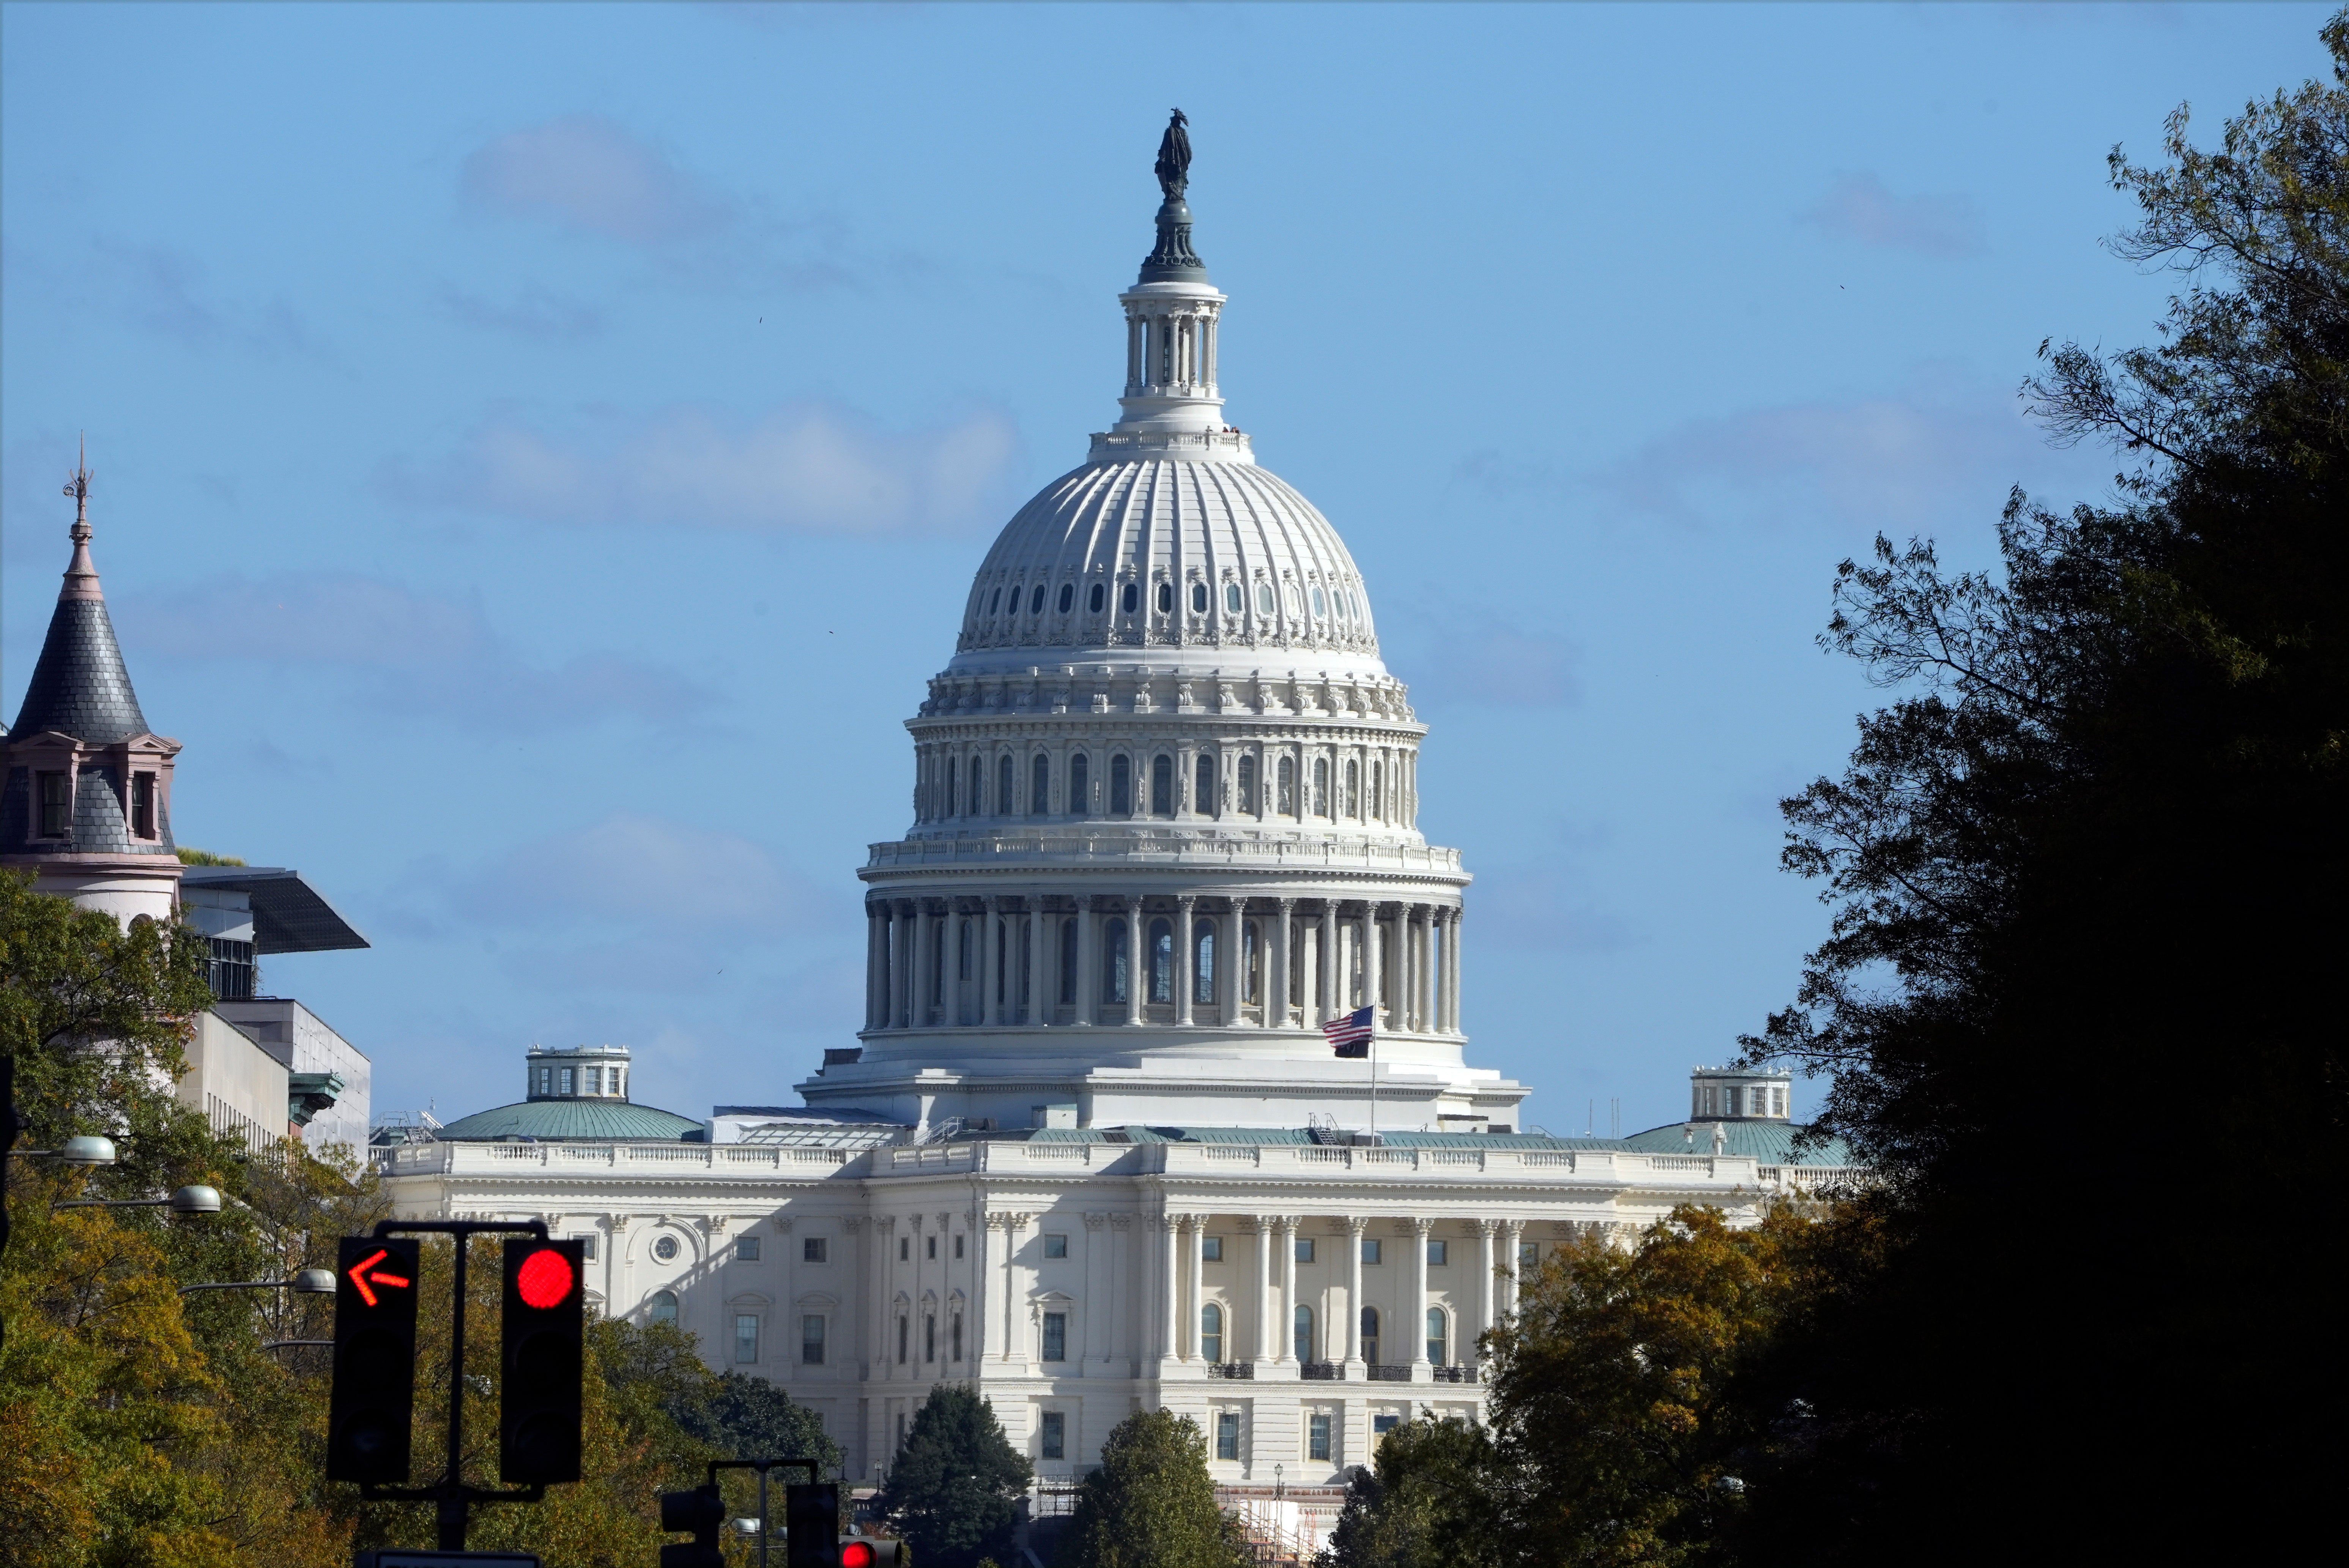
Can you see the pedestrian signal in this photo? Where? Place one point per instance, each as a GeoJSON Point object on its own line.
{"type": "Point", "coordinates": [544, 1328]}
{"type": "Point", "coordinates": [375, 1359]}
{"type": "Point", "coordinates": [811, 1516]}
{"type": "Point", "coordinates": [700, 1510]}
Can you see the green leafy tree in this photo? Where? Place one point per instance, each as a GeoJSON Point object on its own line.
{"type": "Point", "coordinates": [741, 1417]}
{"type": "Point", "coordinates": [1151, 1503]}
{"type": "Point", "coordinates": [1432, 1485]}
{"type": "Point", "coordinates": [953, 1489]}
{"type": "Point", "coordinates": [2086, 869]}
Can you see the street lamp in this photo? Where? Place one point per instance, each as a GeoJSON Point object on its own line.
{"type": "Point", "coordinates": [88, 1149]}
{"type": "Point", "coordinates": [1277, 1470]}
{"type": "Point", "coordinates": [192, 1200]}
{"type": "Point", "coordinates": [307, 1281]}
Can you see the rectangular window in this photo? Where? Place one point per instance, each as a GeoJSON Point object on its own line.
{"type": "Point", "coordinates": [1211, 1249]}
{"type": "Point", "coordinates": [957, 1248]}
{"type": "Point", "coordinates": [958, 1336]}
{"type": "Point", "coordinates": [568, 1079]}
{"type": "Point", "coordinates": [904, 1249]}
{"type": "Point", "coordinates": [1228, 1434]}
{"type": "Point", "coordinates": [1056, 1434]}
{"type": "Point", "coordinates": [930, 1246]}
{"type": "Point", "coordinates": [746, 1250]}
{"type": "Point", "coordinates": [1382, 1424]}
{"type": "Point", "coordinates": [1304, 1249]}
{"type": "Point", "coordinates": [1372, 1250]}
{"type": "Point", "coordinates": [143, 805]}
{"type": "Point", "coordinates": [1316, 1436]}
{"type": "Point", "coordinates": [1056, 1336]}
{"type": "Point", "coordinates": [745, 1337]}
{"type": "Point", "coordinates": [1528, 1254]}
{"type": "Point", "coordinates": [812, 1249]}
{"type": "Point", "coordinates": [1056, 1246]}
{"type": "Point", "coordinates": [929, 1336]}
{"type": "Point", "coordinates": [1436, 1255]}
{"type": "Point", "coordinates": [905, 1337]}
{"type": "Point", "coordinates": [811, 1340]}
{"type": "Point", "coordinates": [55, 804]}
{"type": "Point", "coordinates": [588, 1247]}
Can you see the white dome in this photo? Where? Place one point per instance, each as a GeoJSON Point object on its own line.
{"type": "Point", "coordinates": [1208, 555]}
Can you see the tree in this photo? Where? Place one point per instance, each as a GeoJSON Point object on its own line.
{"type": "Point", "coordinates": [953, 1489]}
{"type": "Point", "coordinates": [741, 1417]}
{"type": "Point", "coordinates": [1433, 1496]}
{"type": "Point", "coordinates": [2086, 872]}
{"type": "Point", "coordinates": [1151, 1503]}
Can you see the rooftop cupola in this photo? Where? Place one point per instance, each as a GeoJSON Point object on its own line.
{"type": "Point", "coordinates": [1733, 1094]}
{"type": "Point", "coordinates": [1170, 313]}
{"type": "Point", "coordinates": [578, 1073]}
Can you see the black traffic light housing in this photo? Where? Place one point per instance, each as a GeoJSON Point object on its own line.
{"type": "Point", "coordinates": [812, 1516]}
{"type": "Point", "coordinates": [865, 1551]}
{"type": "Point", "coordinates": [700, 1510]}
{"type": "Point", "coordinates": [544, 1325]}
{"type": "Point", "coordinates": [376, 1285]}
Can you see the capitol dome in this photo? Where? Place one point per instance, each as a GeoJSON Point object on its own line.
{"type": "Point", "coordinates": [1164, 803]}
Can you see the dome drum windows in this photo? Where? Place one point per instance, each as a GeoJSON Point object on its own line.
{"type": "Point", "coordinates": [1198, 598]}
{"type": "Point", "coordinates": [1039, 784]}
{"type": "Point", "coordinates": [1068, 597]}
{"type": "Point", "coordinates": [1165, 598]}
{"type": "Point", "coordinates": [1203, 792]}
{"type": "Point", "coordinates": [1264, 602]}
{"type": "Point", "coordinates": [1247, 785]}
{"type": "Point", "coordinates": [1233, 601]}
{"type": "Point", "coordinates": [1036, 600]}
{"type": "Point", "coordinates": [1098, 597]}
{"type": "Point", "coordinates": [1320, 786]}
{"type": "Point", "coordinates": [1320, 606]}
{"type": "Point", "coordinates": [1162, 961]}
{"type": "Point", "coordinates": [1121, 785]}
{"type": "Point", "coordinates": [1162, 785]}
{"type": "Point", "coordinates": [1004, 802]}
{"type": "Point", "coordinates": [1129, 599]}
{"type": "Point", "coordinates": [1286, 804]}
{"type": "Point", "coordinates": [1080, 798]}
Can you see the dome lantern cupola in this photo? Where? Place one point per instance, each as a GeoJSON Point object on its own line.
{"type": "Point", "coordinates": [1171, 315]}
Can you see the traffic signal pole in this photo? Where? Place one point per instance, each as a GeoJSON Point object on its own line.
{"type": "Point", "coordinates": [453, 1497]}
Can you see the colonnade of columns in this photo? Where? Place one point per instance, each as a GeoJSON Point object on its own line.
{"type": "Point", "coordinates": [1171, 351]}
{"type": "Point", "coordinates": [1266, 1332]}
{"type": "Point", "coordinates": [998, 960]}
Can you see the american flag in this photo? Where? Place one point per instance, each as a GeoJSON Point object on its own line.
{"type": "Point", "coordinates": [1351, 1035]}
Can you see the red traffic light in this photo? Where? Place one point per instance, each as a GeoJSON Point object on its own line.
{"type": "Point", "coordinates": [545, 1279]}
{"type": "Point", "coordinates": [857, 1555]}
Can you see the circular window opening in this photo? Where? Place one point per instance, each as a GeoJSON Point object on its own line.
{"type": "Point", "coordinates": [1036, 600]}
{"type": "Point", "coordinates": [665, 1251]}
{"type": "Point", "coordinates": [1319, 608]}
{"type": "Point", "coordinates": [1068, 597]}
{"type": "Point", "coordinates": [1165, 598]}
{"type": "Point", "coordinates": [1231, 598]}
{"type": "Point", "coordinates": [1198, 598]}
{"type": "Point", "coordinates": [1132, 599]}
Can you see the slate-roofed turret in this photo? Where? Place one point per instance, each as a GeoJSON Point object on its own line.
{"type": "Point", "coordinates": [81, 686]}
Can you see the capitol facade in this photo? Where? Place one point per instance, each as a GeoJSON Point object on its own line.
{"type": "Point", "coordinates": [1092, 1152]}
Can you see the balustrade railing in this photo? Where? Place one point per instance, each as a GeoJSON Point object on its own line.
{"type": "Point", "coordinates": [1453, 1373]}
{"type": "Point", "coordinates": [1388, 1372]}
{"type": "Point", "coordinates": [1243, 1371]}
{"type": "Point", "coordinates": [1322, 1371]}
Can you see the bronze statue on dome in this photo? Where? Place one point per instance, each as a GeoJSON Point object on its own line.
{"type": "Point", "coordinates": [1174, 157]}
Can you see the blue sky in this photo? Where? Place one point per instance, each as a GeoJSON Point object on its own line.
{"type": "Point", "coordinates": [541, 451]}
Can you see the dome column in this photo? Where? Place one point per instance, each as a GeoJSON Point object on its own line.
{"type": "Point", "coordinates": [1231, 943]}
{"type": "Point", "coordinates": [993, 966]}
{"type": "Point", "coordinates": [1136, 981]}
{"type": "Point", "coordinates": [1089, 960]}
{"type": "Point", "coordinates": [926, 961]}
{"type": "Point", "coordinates": [1374, 970]}
{"type": "Point", "coordinates": [1040, 1010]}
{"type": "Point", "coordinates": [1184, 982]}
{"type": "Point", "coordinates": [1327, 941]}
{"type": "Point", "coordinates": [1276, 989]}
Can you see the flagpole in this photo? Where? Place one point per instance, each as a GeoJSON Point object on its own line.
{"type": "Point", "coordinates": [1374, 1078]}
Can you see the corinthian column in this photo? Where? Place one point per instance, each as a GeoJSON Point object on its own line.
{"type": "Point", "coordinates": [1089, 960]}
{"type": "Point", "coordinates": [1275, 977]}
{"type": "Point", "coordinates": [1040, 1006]}
{"type": "Point", "coordinates": [1418, 1326]}
{"type": "Point", "coordinates": [1180, 977]}
{"type": "Point", "coordinates": [1137, 980]}
{"type": "Point", "coordinates": [991, 968]}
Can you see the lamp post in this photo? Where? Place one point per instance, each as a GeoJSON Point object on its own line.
{"type": "Point", "coordinates": [89, 1149]}
{"type": "Point", "coordinates": [195, 1199]}
{"type": "Point", "coordinates": [307, 1281]}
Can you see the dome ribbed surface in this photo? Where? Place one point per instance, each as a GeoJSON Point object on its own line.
{"type": "Point", "coordinates": [572, 1119]}
{"type": "Point", "coordinates": [1229, 527]}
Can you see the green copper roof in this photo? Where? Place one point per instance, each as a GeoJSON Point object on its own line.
{"type": "Point", "coordinates": [1770, 1142]}
{"type": "Point", "coordinates": [572, 1119]}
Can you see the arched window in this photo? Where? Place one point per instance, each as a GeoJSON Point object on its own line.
{"type": "Point", "coordinates": [662, 1308]}
{"type": "Point", "coordinates": [1080, 797]}
{"type": "Point", "coordinates": [1303, 1328]}
{"type": "Point", "coordinates": [1248, 784]}
{"type": "Point", "coordinates": [1202, 783]}
{"type": "Point", "coordinates": [1211, 1331]}
{"type": "Point", "coordinates": [1068, 962]}
{"type": "Point", "coordinates": [1165, 598]}
{"type": "Point", "coordinates": [1353, 788]}
{"type": "Point", "coordinates": [1162, 961]}
{"type": "Point", "coordinates": [1264, 599]}
{"type": "Point", "coordinates": [1371, 1334]}
{"type": "Point", "coordinates": [1036, 600]}
{"type": "Point", "coordinates": [1251, 957]}
{"type": "Point", "coordinates": [994, 601]}
{"type": "Point", "coordinates": [1040, 786]}
{"type": "Point", "coordinates": [977, 787]}
{"type": "Point", "coordinates": [1198, 598]}
{"type": "Point", "coordinates": [1162, 785]}
{"type": "Point", "coordinates": [1100, 593]}
{"type": "Point", "coordinates": [1435, 1336]}
{"type": "Point", "coordinates": [1379, 790]}
{"type": "Point", "coordinates": [1004, 802]}
{"type": "Point", "coordinates": [1320, 786]}
{"type": "Point", "coordinates": [1114, 975]}
{"type": "Point", "coordinates": [1203, 962]}
{"type": "Point", "coordinates": [1121, 785]}
{"type": "Point", "coordinates": [1131, 599]}
{"type": "Point", "coordinates": [1232, 602]}
{"type": "Point", "coordinates": [1068, 598]}
{"type": "Point", "coordinates": [1287, 803]}
{"type": "Point", "coordinates": [954, 776]}
{"type": "Point", "coordinates": [1320, 606]}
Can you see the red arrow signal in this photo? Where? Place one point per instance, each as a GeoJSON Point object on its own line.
{"type": "Point", "coordinates": [363, 1274]}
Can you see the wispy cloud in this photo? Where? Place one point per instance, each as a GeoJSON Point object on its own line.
{"type": "Point", "coordinates": [173, 296]}
{"type": "Point", "coordinates": [806, 468]}
{"type": "Point", "coordinates": [404, 652]}
{"type": "Point", "coordinates": [535, 312]}
{"type": "Point", "coordinates": [1859, 207]}
{"type": "Point", "coordinates": [586, 173]}
{"type": "Point", "coordinates": [1902, 460]}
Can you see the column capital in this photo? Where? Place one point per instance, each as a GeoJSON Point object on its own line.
{"type": "Point", "coordinates": [1186, 900]}
{"type": "Point", "coordinates": [1286, 904]}
{"type": "Point", "coordinates": [1120, 1221]}
{"type": "Point", "coordinates": [1513, 1227]}
{"type": "Point", "coordinates": [852, 1223]}
{"type": "Point", "coordinates": [1420, 1225]}
{"type": "Point", "coordinates": [1095, 1222]}
{"type": "Point", "coordinates": [1355, 1225]}
{"type": "Point", "coordinates": [1487, 1227]}
{"type": "Point", "coordinates": [885, 1223]}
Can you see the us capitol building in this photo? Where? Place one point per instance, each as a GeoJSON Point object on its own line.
{"type": "Point", "coordinates": [1093, 1152]}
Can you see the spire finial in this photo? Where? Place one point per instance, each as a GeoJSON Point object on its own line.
{"type": "Point", "coordinates": [78, 487]}
{"type": "Point", "coordinates": [81, 573]}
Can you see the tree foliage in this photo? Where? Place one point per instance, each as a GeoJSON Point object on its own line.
{"type": "Point", "coordinates": [2086, 870]}
{"type": "Point", "coordinates": [1433, 1484]}
{"type": "Point", "coordinates": [1151, 1503]}
{"type": "Point", "coordinates": [953, 1489]}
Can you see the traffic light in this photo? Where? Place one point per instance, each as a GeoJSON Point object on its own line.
{"type": "Point", "coordinates": [700, 1510]}
{"type": "Point", "coordinates": [545, 1327]}
{"type": "Point", "coordinates": [811, 1515]}
{"type": "Point", "coordinates": [864, 1552]}
{"type": "Point", "coordinates": [375, 1359]}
